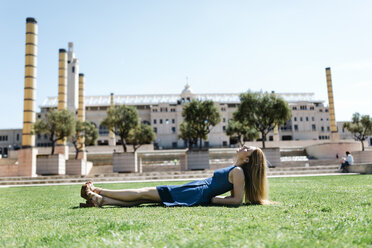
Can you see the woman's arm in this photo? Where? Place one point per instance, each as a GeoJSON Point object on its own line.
{"type": "Point", "coordinates": [236, 197]}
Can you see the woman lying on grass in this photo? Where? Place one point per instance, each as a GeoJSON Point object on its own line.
{"type": "Point", "coordinates": [247, 175]}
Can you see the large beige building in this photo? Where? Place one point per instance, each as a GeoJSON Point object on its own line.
{"type": "Point", "coordinates": [310, 117]}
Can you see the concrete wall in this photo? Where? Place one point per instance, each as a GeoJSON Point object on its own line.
{"type": "Point", "coordinates": [8, 170]}
{"type": "Point", "coordinates": [362, 156]}
{"type": "Point", "coordinates": [125, 162]}
{"type": "Point", "coordinates": [332, 150]}
{"type": "Point", "coordinates": [51, 164]}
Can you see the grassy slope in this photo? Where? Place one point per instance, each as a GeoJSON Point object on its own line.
{"type": "Point", "coordinates": [312, 211]}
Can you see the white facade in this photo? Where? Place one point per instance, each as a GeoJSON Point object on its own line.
{"type": "Point", "coordinates": [72, 79]}
{"type": "Point", "coordinates": [310, 118]}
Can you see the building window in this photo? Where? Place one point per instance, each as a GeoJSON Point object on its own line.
{"type": "Point", "coordinates": [154, 121]}
{"type": "Point", "coordinates": [161, 121]}
{"type": "Point", "coordinates": [326, 110]}
{"type": "Point", "coordinates": [73, 69]}
{"type": "Point", "coordinates": [155, 130]}
{"type": "Point", "coordinates": [294, 108]}
{"type": "Point", "coordinates": [188, 99]}
{"type": "Point", "coordinates": [322, 128]}
{"type": "Point", "coordinates": [311, 107]}
{"type": "Point", "coordinates": [173, 121]}
{"type": "Point", "coordinates": [17, 136]}
{"type": "Point", "coordinates": [224, 119]}
{"type": "Point", "coordinates": [320, 110]}
{"type": "Point", "coordinates": [321, 119]}
{"type": "Point", "coordinates": [303, 107]}
{"type": "Point", "coordinates": [295, 118]}
{"type": "Point", "coordinates": [296, 127]}
{"type": "Point", "coordinates": [224, 128]}
{"type": "Point", "coordinates": [313, 127]}
{"type": "Point", "coordinates": [307, 118]}
{"type": "Point", "coordinates": [166, 121]}
{"type": "Point", "coordinates": [103, 131]}
{"type": "Point", "coordinates": [154, 110]}
{"type": "Point", "coordinates": [312, 118]}
{"type": "Point", "coordinates": [300, 118]}
{"type": "Point", "coordinates": [328, 129]}
{"type": "Point", "coordinates": [173, 110]}
{"type": "Point", "coordinates": [173, 129]}
{"type": "Point", "coordinates": [223, 109]}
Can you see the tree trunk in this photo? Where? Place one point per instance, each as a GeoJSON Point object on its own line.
{"type": "Point", "coordinates": [263, 139]}
{"type": "Point", "coordinates": [362, 145]}
{"type": "Point", "coordinates": [241, 140]}
{"type": "Point", "coordinates": [123, 144]}
{"type": "Point", "coordinates": [201, 144]}
{"type": "Point", "coordinates": [53, 145]}
{"type": "Point", "coordinates": [76, 150]}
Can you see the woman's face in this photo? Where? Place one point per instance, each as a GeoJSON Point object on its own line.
{"type": "Point", "coordinates": [244, 152]}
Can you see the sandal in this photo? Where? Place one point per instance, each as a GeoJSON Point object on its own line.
{"type": "Point", "coordinates": [87, 204]}
{"type": "Point", "coordinates": [95, 199]}
{"type": "Point", "coordinates": [88, 185]}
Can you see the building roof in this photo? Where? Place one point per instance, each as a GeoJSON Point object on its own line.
{"type": "Point", "coordinates": [154, 99]}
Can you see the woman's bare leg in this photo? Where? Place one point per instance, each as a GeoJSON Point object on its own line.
{"type": "Point", "coordinates": [112, 202]}
{"type": "Point", "coordinates": [149, 194]}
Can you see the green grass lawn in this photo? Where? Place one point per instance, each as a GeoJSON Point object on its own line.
{"type": "Point", "coordinates": [334, 211]}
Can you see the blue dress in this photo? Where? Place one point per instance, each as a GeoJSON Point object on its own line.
{"type": "Point", "coordinates": [198, 192]}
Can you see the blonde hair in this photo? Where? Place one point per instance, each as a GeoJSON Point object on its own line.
{"type": "Point", "coordinates": [256, 186]}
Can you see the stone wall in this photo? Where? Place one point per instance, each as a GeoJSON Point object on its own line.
{"type": "Point", "coordinates": [332, 150]}
{"type": "Point", "coordinates": [51, 164]}
{"type": "Point", "coordinates": [8, 170]}
{"type": "Point", "coordinates": [125, 162]}
{"type": "Point", "coordinates": [362, 156]}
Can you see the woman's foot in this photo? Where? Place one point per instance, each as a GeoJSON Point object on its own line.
{"type": "Point", "coordinates": [94, 199]}
{"type": "Point", "coordinates": [88, 186]}
{"type": "Point", "coordinates": [87, 204]}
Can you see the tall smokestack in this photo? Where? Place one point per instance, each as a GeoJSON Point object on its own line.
{"type": "Point", "coordinates": [112, 140]}
{"type": "Point", "coordinates": [27, 155]}
{"type": "Point", "coordinates": [29, 116]}
{"type": "Point", "coordinates": [62, 96]}
{"type": "Point", "coordinates": [81, 109]}
{"type": "Point", "coordinates": [81, 116]}
{"type": "Point", "coordinates": [332, 117]}
{"type": "Point", "coordinates": [62, 78]}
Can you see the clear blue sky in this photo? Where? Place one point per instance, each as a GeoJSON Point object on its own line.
{"type": "Point", "coordinates": [139, 47]}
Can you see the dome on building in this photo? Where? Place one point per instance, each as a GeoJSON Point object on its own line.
{"type": "Point", "coordinates": [187, 90]}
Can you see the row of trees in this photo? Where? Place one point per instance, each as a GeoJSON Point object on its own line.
{"type": "Point", "coordinates": [59, 125]}
{"type": "Point", "coordinates": [122, 120]}
{"type": "Point", "coordinates": [257, 114]}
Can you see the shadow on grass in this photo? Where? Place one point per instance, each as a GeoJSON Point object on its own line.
{"type": "Point", "coordinates": [156, 205]}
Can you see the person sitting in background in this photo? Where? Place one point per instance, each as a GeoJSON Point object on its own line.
{"type": "Point", "coordinates": [349, 160]}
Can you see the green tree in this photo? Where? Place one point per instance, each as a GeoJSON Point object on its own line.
{"type": "Point", "coordinates": [360, 126]}
{"type": "Point", "coordinates": [83, 131]}
{"type": "Point", "coordinates": [200, 116]}
{"type": "Point", "coordinates": [263, 111]}
{"type": "Point", "coordinates": [142, 134]}
{"type": "Point", "coordinates": [120, 120]}
{"type": "Point", "coordinates": [58, 125]}
{"type": "Point", "coordinates": [188, 134]}
{"type": "Point", "coordinates": [241, 132]}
